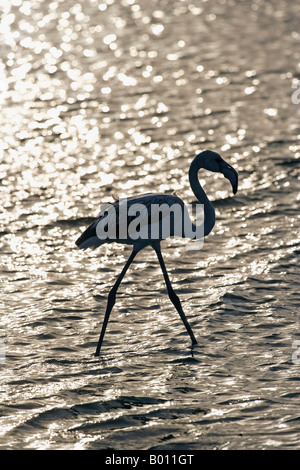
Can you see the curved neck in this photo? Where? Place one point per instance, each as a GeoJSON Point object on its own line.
{"type": "Point", "coordinates": [209, 212]}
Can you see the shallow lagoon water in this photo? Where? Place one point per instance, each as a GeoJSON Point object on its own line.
{"type": "Point", "coordinates": [114, 99]}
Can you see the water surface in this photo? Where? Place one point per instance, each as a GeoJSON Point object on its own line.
{"type": "Point", "coordinates": [114, 99]}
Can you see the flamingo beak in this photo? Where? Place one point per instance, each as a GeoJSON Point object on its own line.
{"type": "Point", "coordinates": [230, 174]}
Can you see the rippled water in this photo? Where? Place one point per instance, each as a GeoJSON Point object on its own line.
{"type": "Point", "coordinates": [110, 98]}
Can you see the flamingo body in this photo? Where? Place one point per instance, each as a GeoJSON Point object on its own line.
{"type": "Point", "coordinates": [89, 237]}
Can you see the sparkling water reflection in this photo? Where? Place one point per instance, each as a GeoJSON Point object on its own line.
{"type": "Point", "coordinates": [105, 98]}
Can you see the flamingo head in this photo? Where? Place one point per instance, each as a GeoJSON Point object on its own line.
{"type": "Point", "coordinates": [212, 161]}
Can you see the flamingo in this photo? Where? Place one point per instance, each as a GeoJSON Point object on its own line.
{"type": "Point", "coordinates": [208, 160]}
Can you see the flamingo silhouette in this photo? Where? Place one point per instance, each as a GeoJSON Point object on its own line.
{"type": "Point", "coordinates": [208, 160]}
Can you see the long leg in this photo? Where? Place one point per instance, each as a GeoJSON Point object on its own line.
{"type": "Point", "coordinates": [112, 298]}
{"type": "Point", "coordinates": [172, 295]}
